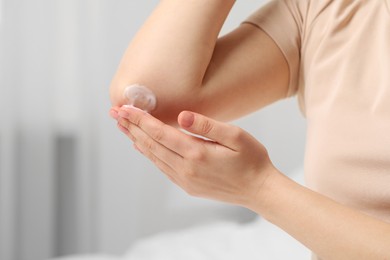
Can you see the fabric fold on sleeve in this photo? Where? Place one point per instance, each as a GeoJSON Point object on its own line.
{"type": "Point", "coordinates": [282, 21]}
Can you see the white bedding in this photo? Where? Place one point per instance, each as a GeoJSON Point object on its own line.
{"type": "Point", "coordinates": [257, 240]}
{"type": "Point", "coordinates": [221, 241]}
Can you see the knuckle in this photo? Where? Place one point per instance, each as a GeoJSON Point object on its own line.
{"type": "Point", "coordinates": [196, 154]}
{"type": "Point", "coordinates": [206, 127]}
{"type": "Point", "coordinates": [149, 144]}
{"type": "Point", "coordinates": [236, 133]}
{"type": "Point", "coordinates": [158, 133]}
{"type": "Point", "coordinates": [138, 121]}
{"type": "Point", "coordinates": [143, 120]}
{"type": "Point", "coordinates": [123, 122]}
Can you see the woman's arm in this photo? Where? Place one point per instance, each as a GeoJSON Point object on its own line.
{"type": "Point", "coordinates": [235, 168]}
{"type": "Point", "coordinates": [176, 54]}
{"type": "Point", "coordinates": [331, 230]}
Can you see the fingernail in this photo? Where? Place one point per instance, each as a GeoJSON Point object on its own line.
{"type": "Point", "coordinates": [187, 119]}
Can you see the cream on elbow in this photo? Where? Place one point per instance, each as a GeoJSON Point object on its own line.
{"type": "Point", "coordinates": [140, 97]}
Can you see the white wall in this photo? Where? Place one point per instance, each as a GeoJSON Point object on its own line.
{"type": "Point", "coordinates": [61, 153]}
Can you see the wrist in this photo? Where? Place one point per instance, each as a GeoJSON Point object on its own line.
{"type": "Point", "coordinates": [262, 199]}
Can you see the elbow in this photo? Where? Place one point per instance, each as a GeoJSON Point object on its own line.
{"type": "Point", "coordinates": [116, 94]}
{"type": "Point", "coordinates": [175, 91]}
{"type": "Point", "coordinates": [168, 105]}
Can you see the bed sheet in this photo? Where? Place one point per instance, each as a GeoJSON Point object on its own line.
{"type": "Point", "coordinates": [219, 241]}
{"type": "Point", "coordinates": [256, 240]}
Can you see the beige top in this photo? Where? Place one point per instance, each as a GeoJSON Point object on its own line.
{"type": "Point", "coordinates": [339, 57]}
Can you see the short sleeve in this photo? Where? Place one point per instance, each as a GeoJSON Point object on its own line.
{"type": "Point", "coordinates": [283, 21]}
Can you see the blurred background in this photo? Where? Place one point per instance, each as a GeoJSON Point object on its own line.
{"type": "Point", "coordinates": [70, 182]}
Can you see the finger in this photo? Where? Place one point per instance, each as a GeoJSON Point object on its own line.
{"type": "Point", "coordinates": [149, 146]}
{"type": "Point", "coordinates": [166, 135]}
{"type": "Point", "coordinates": [165, 168]}
{"type": "Point", "coordinates": [222, 133]}
{"type": "Point", "coordinates": [123, 125]}
{"type": "Point", "coordinates": [123, 129]}
{"type": "Point", "coordinates": [114, 112]}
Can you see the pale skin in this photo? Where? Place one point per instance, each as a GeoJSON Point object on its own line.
{"type": "Point", "coordinates": [199, 77]}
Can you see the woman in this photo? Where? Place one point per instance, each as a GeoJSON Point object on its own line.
{"type": "Point", "coordinates": [334, 55]}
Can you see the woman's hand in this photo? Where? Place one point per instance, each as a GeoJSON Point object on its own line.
{"type": "Point", "coordinates": [231, 166]}
{"type": "Point", "coordinates": [227, 164]}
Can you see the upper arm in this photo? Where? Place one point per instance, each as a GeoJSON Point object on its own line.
{"type": "Point", "coordinates": [247, 71]}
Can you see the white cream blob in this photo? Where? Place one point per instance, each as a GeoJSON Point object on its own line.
{"type": "Point", "coordinates": [140, 97]}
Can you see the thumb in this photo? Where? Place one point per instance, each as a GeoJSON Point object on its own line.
{"type": "Point", "coordinates": [219, 132]}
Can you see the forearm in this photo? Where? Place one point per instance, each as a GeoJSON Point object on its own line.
{"type": "Point", "coordinates": [331, 230]}
{"type": "Point", "coordinates": [235, 168]}
{"type": "Point", "coordinates": [171, 52]}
